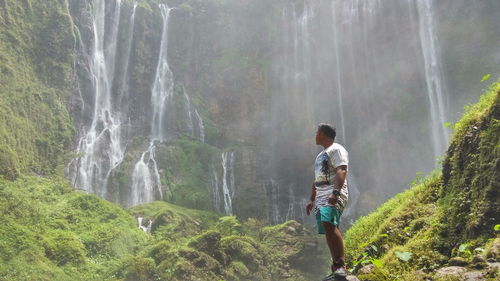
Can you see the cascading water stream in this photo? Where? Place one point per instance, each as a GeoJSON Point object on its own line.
{"type": "Point", "coordinates": [223, 192]}
{"type": "Point", "coordinates": [123, 91]}
{"type": "Point", "coordinates": [163, 87]}
{"type": "Point", "coordinates": [291, 210]}
{"type": "Point", "coordinates": [146, 180]}
{"type": "Point", "coordinates": [189, 113]}
{"type": "Point", "coordinates": [275, 211]}
{"type": "Point", "coordinates": [100, 148]}
{"type": "Point", "coordinates": [284, 205]}
{"type": "Point", "coordinates": [228, 181]}
{"type": "Point", "coordinates": [195, 124]}
{"type": "Point", "coordinates": [215, 187]}
{"type": "Point", "coordinates": [340, 105]}
{"type": "Point", "coordinates": [201, 126]}
{"type": "Point", "coordinates": [145, 228]}
{"type": "Point", "coordinates": [350, 211]}
{"type": "Point", "coordinates": [306, 71]}
{"type": "Point", "coordinates": [433, 75]}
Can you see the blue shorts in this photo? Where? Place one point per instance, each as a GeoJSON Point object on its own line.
{"type": "Point", "coordinates": [327, 214]}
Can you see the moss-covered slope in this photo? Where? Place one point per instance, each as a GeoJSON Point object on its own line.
{"type": "Point", "coordinates": [453, 213]}
{"type": "Point", "coordinates": [36, 57]}
{"type": "Point", "coordinates": [198, 245]}
{"type": "Point", "coordinates": [51, 232]}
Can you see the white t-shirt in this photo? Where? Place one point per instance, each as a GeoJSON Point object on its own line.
{"type": "Point", "coordinates": [324, 176]}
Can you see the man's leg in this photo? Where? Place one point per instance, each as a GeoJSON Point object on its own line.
{"type": "Point", "coordinates": [334, 241]}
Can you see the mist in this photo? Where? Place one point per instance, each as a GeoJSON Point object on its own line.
{"type": "Point", "coordinates": [392, 76]}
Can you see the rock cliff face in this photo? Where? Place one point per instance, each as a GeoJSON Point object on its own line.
{"type": "Point", "coordinates": [257, 89]}
{"type": "Point", "coordinates": [211, 87]}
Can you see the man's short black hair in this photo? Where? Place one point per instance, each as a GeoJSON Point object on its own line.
{"type": "Point", "coordinates": [328, 130]}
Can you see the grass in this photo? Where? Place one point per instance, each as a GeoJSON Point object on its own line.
{"type": "Point", "coordinates": [474, 113]}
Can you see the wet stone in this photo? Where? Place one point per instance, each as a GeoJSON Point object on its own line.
{"type": "Point", "coordinates": [474, 276]}
{"type": "Point", "coordinates": [478, 259]}
{"type": "Point", "coordinates": [367, 269]}
{"type": "Point", "coordinates": [451, 271]}
{"type": "Point", "coordinates": [479, 262]}
{"type": "Point", "coordinates": [457, 261]}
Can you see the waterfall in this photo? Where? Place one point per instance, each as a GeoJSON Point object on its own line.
{"type": "Point", "coordinates": [146, 182]}
{"type": "Point", "coordinates": [223, 192]}
{"type": "Point", "coordinates": [195, 125]}
{"type": "Point", "coordinates": [306, 71]}
{"type": "Point", "coordinates": [163, 87]}
{"type": "Point", "coordinates": [283, 203]}
{"type": "Point", "coordinates": [228, 181]}
{"type": "Point", "coordinates": [340, 105]}
{"type": "Point", "coordinates": [433, 75]}
{"type": "Point", "coordinates": [145, 228]}
{"type": "Point", "coordinates": [215, 187]}
{"type": "Point", "coordinates": [189, 114]}
{"type": "Point", "coordinates": [291, 210]}
{"type": "Point", "coordinates": [201, 126]}
{"type": "Point", "coordinates": [100, 148]}
{"type": "Point", "coordinates": [123, 90]}
{"type": "Point", "coordinates": [349, 213]}
{"type": "Point", "coordinates": [275, 210]}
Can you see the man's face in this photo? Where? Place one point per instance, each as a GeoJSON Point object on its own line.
{"type": "Point", "coordinates": [319, 136]}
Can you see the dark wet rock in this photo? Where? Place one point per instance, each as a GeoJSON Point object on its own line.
{"type": "Point", "coordinates": [479, 262]}
{"type": "Point", "coordinates": [478, 259]}
{"type": "Point", "coordinates": [457, 261]}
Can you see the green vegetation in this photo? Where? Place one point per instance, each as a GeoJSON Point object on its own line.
{"type": "Point", "coordinates": [448, 214]}
{"type": "Point", "coordinates": [187, 172]}
{"type": "Point", "coordinates": [36, 57]}
{"type": "Point", "coordinates": [51, 232]}
{"type": "Point", "coordinates": [224, 251]}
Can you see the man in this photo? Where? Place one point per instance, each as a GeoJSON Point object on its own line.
{"type": "Point", "coordinates": [329, 195]}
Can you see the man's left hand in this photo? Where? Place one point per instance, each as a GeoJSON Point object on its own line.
{"type": "Point", "coordinates": [333, 199]}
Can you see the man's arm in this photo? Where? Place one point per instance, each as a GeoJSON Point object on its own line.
{"type": "Point", "coordinates": [313, 193]}
{"type": "Point", "coordinates": [310, 204]}
{"type": "Point", "coordinates": [340, 175]}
